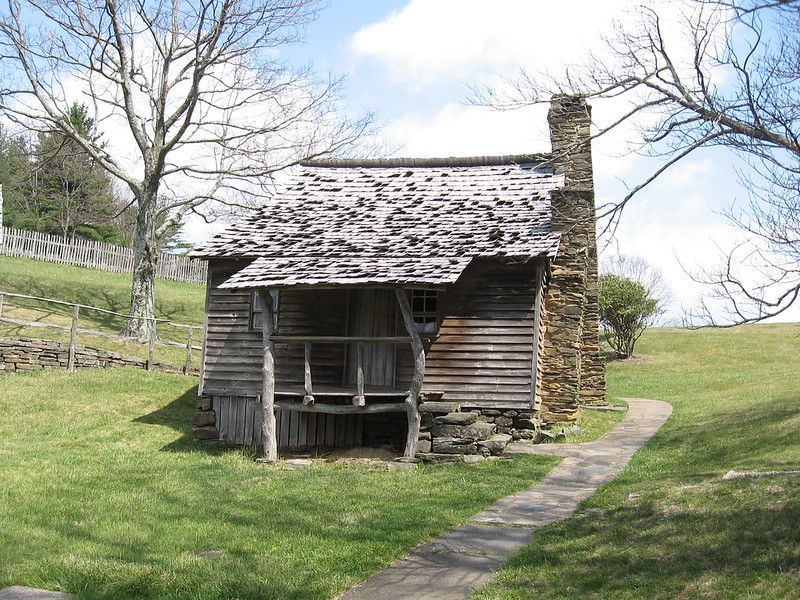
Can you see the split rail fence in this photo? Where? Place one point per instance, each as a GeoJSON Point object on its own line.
{"type": "Point", "coordinates": [193, 333]}
{"type": "Point", "coordinates": [97, 255]}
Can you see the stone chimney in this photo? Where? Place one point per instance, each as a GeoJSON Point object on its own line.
{"type": "Point", "coordinates": [571, 370]}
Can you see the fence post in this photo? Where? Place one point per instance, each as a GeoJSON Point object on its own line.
{"type": "Point", "coordinates": [1, 305]}
{"type": "Point", "coordinates": [73, 338]}
{"type": "Point", "coordinates": [188, 364]}
{"type": "Point", "coordinates": [151, 347]}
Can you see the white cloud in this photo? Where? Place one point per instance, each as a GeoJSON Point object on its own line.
{"type": "Point", "coordinates": [455, 38]}
{"type": "Point", "coordinates": [459, 130]}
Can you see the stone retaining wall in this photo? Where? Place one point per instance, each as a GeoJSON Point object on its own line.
{"type": "Point", "coordinates": [30, 354]}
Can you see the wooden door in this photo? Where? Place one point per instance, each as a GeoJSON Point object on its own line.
{"type": "Point", "coordinates": [373, 313]}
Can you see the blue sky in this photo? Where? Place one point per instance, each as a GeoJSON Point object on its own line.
{"type": "Point", "coordinates": [412, 62]}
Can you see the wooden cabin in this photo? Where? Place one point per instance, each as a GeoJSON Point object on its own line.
{"type": "Point", "coordinates": [367, 293]}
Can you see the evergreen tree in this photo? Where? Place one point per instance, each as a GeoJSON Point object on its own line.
{"type": "Point", "coordinates": [73, 193]}
{"type": "Point", "coordinates": [15, 173]}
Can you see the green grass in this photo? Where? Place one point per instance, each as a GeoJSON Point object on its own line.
{"type": "Point", "coordinates": [668, 526]}
{"type": "Point", "coordinates": [593, 424]}
{"type": "Point", "coordinates": [103, 493]}
{"type": "Point", "coordinates": [179, 302]}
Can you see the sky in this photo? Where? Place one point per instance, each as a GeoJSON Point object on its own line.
{"type": "Point", "coordinates": [413, 62]}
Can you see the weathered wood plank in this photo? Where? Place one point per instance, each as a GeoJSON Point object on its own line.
{"type": "Point", "coordinates": [341, 409]}
{"type": "Point", "coordinates": [248, 421]}
{"type": "Point", "coordinates": [309, 396]}
{"type": "Point", "coordinates": [338, 339]}
{"type": "Point", "coordinates": [330, 429]}
{"type": "Point", "coordinates": [73, 339]}
{"type": "Point", "coordinates": [359, 399]}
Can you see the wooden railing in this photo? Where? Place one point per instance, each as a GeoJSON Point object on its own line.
{"type": "Point", "coordinates": [74, 329]}
{"type": "Point", "coordinates": [97, 255]}
{"type": "Point", "coordinates": [359, 399]}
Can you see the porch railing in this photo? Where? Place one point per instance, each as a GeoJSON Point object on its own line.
{"type": "Point", "coordinates": [359, 399]}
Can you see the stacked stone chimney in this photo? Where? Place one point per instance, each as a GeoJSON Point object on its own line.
{"type": "Point", "coordinates": [571, 370]}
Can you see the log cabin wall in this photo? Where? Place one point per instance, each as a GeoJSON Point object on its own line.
{"type": "Point", "coordinates": [484, 354]}
{"type": "Point", "coordinates": [232, 355]}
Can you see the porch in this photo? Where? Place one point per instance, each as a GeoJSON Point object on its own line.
{"type": "Point", "coordinates": [368, 383]}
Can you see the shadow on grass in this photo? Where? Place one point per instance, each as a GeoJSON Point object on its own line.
{"type": "Point", "coordinates": [735, 439]}
{"type": "Point", "coordinates": [687, 545]}
{"type": "Point", "coordinates": [177, 415]}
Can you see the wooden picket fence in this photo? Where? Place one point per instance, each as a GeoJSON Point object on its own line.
{"type": "Point", "coordinates": [97, 255]}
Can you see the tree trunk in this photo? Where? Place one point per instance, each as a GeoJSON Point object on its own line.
{"type": "Point", "coordinates": [145, 256]}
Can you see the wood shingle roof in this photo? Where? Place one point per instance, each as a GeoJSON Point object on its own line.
{"type": "Point", "coordinates": [393, 221]}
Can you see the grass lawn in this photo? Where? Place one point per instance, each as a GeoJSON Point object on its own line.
{"type": "Point", "coordinates": [593, 424]}
{"type": "Point", "coordinates": [179, 302]}
{"type": "Point", "coordinates": [668, 526]}
{"type": "Point", "coordinates": [103, 493]}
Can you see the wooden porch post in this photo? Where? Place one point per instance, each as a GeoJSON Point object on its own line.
{"type": "Point", "coordinates": [308, 399]}
{"type": "Point", "coordinates": [419, 372]}
{"type": "Point", "coordinates": [359, 399]}
{"type": "Point", "coordinates": [270, 447]}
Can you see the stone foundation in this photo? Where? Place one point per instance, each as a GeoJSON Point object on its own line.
{"type": "Point", "coordinates": [473, 434]}
{"type": "Point", "coordinates": [204, 422]}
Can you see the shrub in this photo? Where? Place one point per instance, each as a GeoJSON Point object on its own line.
{"type": "Point", "coordinates": [626, 310]}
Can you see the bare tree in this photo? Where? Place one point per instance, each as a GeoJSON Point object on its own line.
{"type": "Point", "coordinates": [191, 94]}
{"type": "Point", "coordinates": [730, 78]}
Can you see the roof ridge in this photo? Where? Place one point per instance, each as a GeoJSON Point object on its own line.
{"type": "Point", "coordinates": [450, 161]}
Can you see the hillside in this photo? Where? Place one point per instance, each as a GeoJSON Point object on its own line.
{"type": "Point", "coordinates": [182, 302]}
{"type": "Point", "coordinates": [178, 302]}
{"type": "Point", "coordinates": [669, 526]}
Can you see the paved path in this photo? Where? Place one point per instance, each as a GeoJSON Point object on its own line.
{"type": "Point", "coordinates": [464, 558]}
{"type": "Point", "coordinates": [21, 592]}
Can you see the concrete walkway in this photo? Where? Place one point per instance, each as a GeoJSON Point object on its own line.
{"type": "Point", "coordinates": [464, 558]}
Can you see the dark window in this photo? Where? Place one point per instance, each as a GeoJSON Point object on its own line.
{"type": "Point", "coordinates": [425, 308]}
{"type": "Point", "coordinates": [255, 310]}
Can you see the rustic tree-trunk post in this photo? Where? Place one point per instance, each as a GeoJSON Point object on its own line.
{"type": "Point", "coordinates": [359, 399]}
{"type": "Point", "coordinates": [308, 399]}
{"type": "Point", "coordinates": [412, 399]}
{"type": "Point", "coordinates": [1, 306]}
{"type": "Point", "coordinates": [188, 364]}
{"type": "Point", "coordinates": [270, 446]}
{"type": "Point", "coordinates": [73, 338]}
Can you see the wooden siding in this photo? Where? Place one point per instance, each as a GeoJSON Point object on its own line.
{"type": "Point", "coordinates": [239, 422]}
{"type": "Point", "coordinates": [232, 351]}
{"type": "Point", "coordinates": [373, 314]}
{"type": "Point", "coordinates": [483, 355]}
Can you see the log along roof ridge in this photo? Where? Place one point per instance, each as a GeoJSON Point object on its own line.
{"type": "Point", "coordinates": [393, 221]}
